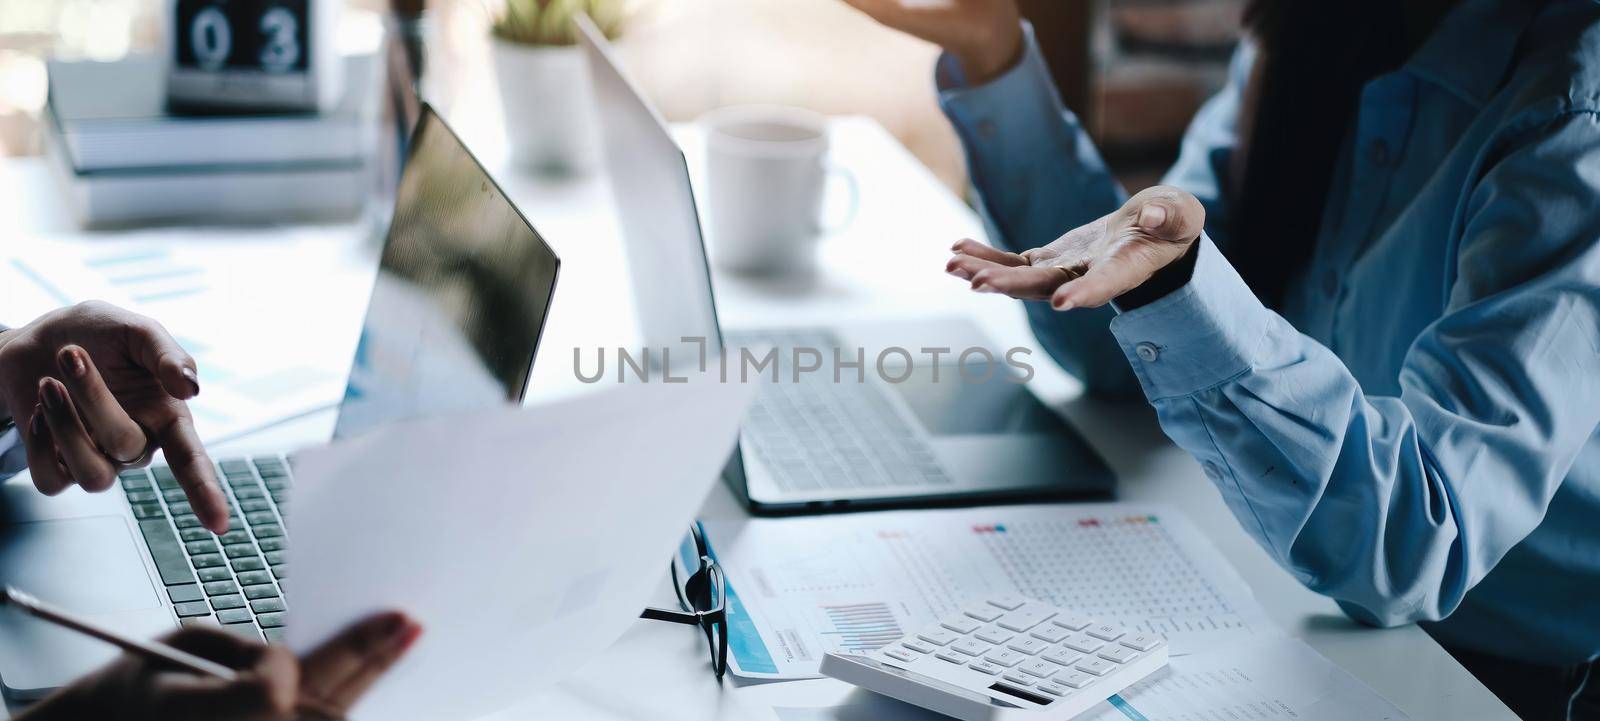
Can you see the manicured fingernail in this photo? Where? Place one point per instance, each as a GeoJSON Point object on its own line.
{"type": "Point", "coordinates": [75, 363]}
{"type": "Point", "coordinates": [1062, 304]}
{"type": "Point", "coordinates": [194, 381]}
{"type": "Point", "coordinates": [1152, 216]}
{"type": "Point", "coordinates": [51, 393]}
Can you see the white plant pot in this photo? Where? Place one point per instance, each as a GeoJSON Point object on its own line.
{"type": "Point", "coordinates": [549, 109]}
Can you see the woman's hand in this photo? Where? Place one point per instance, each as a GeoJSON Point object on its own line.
{"type": "Point", "coordinates": [94, 389]}
{"type": "Point", "coordinates": [1094, 263]}
{"type": "Point", "coordinates": [272, 684]}
{"type": "Point", "coordinates": [985, 36]}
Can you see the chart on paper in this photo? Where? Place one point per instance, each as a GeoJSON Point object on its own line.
{"type": "Point", "coordinates": [802, 588]}
{"type": "Point", "coordinates": [282, 349]}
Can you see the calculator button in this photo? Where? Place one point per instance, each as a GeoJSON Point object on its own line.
{"type": "Point", "coordinates": [1096, 666]}
{"type": "Point", "coordinates": [1007, 601]}
{"type": "Point", "coordinates": [1063, 656]}
{"type": "Point", "coordinates": [1120, 654]}
{"type": "Point", "coordinates": [1019, 678]}
{"type": "Point", "coordinates": [960, 624]}
{"type": "Point", "coordinates": [1073, 621]}
{"type": "Point", "coordinates": [1042, 669]}
{"type": "Point", "coordinates": [1074, 679]}
{"type": "Point", "coordinates": [993, 634]}
{"type": "Point", "coordinates": [1030, 646]}
{"type": "Point", "coordinates": [1050, 633]}
{"type": "Point", "coordinates": [938, 636]}
{"type": "Point", "coordinates": [1055, 689]}
{"type": "Point", "coordinates": [952, 657]}
{"type": "Point", "coordinates": [970, 647]}
{"type": "Point", "coordinates": [1026, 617]}
{"type": "Point", "coordinates": [983, 612]}
{"type": "Point", "coordinates": [1082, 643]}
{"type": "Point", "coordinates": [917, 646]}
{"type": "Point", "coordinates": [899, 653]}
{"type": "Point", "coordinates": [1106, 632]}
{"type": "Point", "coordinates": [986, 667]}
{"type": "Point", "coordinates": [1005, 657]}
{"type": "Point", "coordinates": [1141, 641]}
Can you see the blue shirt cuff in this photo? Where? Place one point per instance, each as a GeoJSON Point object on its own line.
{"type": "Point", "coordinates": [1002, 117]}
{"type": "Point", "coordinates": [1200, 335]}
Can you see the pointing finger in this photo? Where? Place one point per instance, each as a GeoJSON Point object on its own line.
{"type": "Point", "coordinates": [192, 467]}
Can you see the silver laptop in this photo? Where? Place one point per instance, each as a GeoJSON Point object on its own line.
{"type": "Point", "coordinates": [457, 309]}
{"type": "Point", "coordinates": [817, 444]}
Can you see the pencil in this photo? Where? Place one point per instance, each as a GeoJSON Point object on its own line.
{"type": "Point", "coordinates": [152, 650]}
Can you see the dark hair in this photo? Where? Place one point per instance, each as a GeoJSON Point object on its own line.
{"type": "Point", "coordinates": [1317, 56]}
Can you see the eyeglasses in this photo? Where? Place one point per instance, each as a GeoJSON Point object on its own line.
{"type": "Point", "coordinates": [702, 600]}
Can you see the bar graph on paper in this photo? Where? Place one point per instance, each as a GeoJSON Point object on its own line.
{"type": "Point", "coordinates": [862, 627]}
{"type": "Point", "coordinates": [261, 361]}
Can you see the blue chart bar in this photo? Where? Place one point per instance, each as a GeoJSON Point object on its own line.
{"type": "Point", "coordinates": [862, 627]}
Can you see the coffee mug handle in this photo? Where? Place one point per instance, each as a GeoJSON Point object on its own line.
{"type": "Point", "coordinates": [838, 171]}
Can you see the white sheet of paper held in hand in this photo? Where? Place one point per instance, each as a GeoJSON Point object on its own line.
{"type": "Point", "coordinates": [524, 541]}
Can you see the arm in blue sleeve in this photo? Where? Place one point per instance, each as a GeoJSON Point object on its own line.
{"type": "Point", "coordinates": [1397, 506]}
{"type": "Point", "coordinates": [1038, 175]}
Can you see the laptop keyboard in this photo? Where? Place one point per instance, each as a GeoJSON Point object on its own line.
{"type": "Point", "coordinates": [818, 435]}
{"type": "Point", "coordinates": [235, 580]}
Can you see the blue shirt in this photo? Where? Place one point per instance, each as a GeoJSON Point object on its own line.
{"type": "Point", "coordinates": [1415, 434]}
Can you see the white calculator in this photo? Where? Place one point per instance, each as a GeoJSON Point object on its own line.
{"type": "Point", "coordinates": [1005, 658]}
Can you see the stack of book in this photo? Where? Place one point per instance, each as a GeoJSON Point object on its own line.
{"type": "Point", "coordinates": [124, 159]}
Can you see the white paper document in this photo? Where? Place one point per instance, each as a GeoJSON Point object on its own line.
{"type": "Point", "coordinates": [1275, 679]}
{"type": "Point", "coordinates": [270, 316]}
{"type": "Point", "coordinates": [801, 588]}
{"type": "Point", "coordinates": [1279, 678]}
{"type": "Point", "coordinates": [523, 541]}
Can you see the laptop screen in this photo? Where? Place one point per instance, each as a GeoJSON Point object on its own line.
{"type": "Point", "coordinates": [460, 298]}
{"type": "Point", "coordinates": [666, 257]}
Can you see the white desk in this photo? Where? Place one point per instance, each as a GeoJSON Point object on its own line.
{"type": "Point", "coordinates": [886, 265]}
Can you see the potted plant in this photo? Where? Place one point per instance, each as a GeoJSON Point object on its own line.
{"type": "Point", "coordinates": [544, 81]}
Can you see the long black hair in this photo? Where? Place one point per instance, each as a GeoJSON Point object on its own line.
{"type": "Point", "coordinates": [1316, 56]}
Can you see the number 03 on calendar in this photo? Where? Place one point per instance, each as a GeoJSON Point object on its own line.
{"type": "Point", "coordinates": [252, 55]}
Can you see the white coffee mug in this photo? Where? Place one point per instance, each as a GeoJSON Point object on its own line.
{"type": "Point", "coordinates": [766, 172]}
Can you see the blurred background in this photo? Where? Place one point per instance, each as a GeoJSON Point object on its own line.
{"type": "Point", "coordinates": [1135, 70]}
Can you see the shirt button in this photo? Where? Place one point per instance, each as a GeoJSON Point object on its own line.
{"type": "Point", "coordinates": [1330, 283]}
{"type": "Point", "coordinates": [1212, 471]}
{"type": "Point", "coordinates": [986, 129]}
{"type": "Point", "coordinates": [1379, 152]}
{"type": "Point", "coordinates": [1147, 352]}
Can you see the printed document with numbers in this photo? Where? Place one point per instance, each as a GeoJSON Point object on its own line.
{"type": "Point", "coordinates": [800, 588]}
{"type": "Point", "coordinates": [1271, 679]}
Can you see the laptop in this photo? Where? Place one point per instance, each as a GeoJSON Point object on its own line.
{"type": "Point", "coordinates": [820, 445]}
{"type": "Point", "coordinates": [457, 308]}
